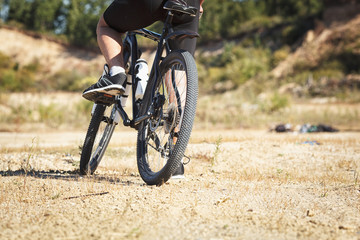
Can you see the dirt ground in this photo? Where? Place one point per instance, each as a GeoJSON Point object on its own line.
{"type": "Point", "coordinates": [239, 184]}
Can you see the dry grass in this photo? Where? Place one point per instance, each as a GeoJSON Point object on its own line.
{"type": "Point", "coordinates": [243, 109]}
{"type": "Point", "coordinates": [261, 186]}
{"type": "Point", "coordinates": [68, 111]}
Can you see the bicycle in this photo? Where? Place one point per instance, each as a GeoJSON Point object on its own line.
{"type": "Point", "coordinates": [165, 115]}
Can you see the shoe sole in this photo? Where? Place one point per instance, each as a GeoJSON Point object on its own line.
{"type": "Point", "coordinates": [112, 91]}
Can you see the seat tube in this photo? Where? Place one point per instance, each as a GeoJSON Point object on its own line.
{"type": "Point", "coordinates": [155, 68]}
{"type": "Point", "coordinates": [169, 18]}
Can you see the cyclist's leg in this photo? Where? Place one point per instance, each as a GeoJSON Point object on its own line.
{"type": "Point", "coordinates": [114, 82]}
{"type": "Point", "coordinates": [110, 43]}
{"type": "Point", "coordinates": [120, 17]}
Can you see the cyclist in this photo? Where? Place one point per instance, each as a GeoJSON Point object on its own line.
{"type": "Point", "coordinates": [126, 15]}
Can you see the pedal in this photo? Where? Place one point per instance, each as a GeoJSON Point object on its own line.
{"type": "Point", "coordinates": [103, 98]}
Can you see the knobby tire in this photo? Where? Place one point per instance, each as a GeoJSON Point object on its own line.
{"type": "Point", "coordinates": [91, 153]}
{"type": "Point", "coordinates": [187, 115]}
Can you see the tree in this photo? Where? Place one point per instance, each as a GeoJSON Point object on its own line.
{"type": "Point", "coordinates": [292, 8]}
{"type": "Point", "coordinates": [222, 17]}
{"type": "Point", "coordinates": [37, 15]}
{"type": "Point", "coordinates": [18, 11]}
{"type": "Point", "coordinates": [43, 14]}
{"type": "Point", "coordinates": [82, 18]}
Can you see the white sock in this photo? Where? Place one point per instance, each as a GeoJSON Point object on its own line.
{"type": "Point", "coordinates": [116, 70]}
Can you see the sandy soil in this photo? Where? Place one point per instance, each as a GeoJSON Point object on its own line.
{"type": "Point", "coordinates": [53, 56]}
{"type": "Point", "coordinates": [239, 185]}
{"type": "Point", "coordinates": [25, 49]}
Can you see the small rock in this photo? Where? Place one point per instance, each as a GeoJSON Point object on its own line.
{"type": "Point", "coordinates": [310, 213]}
{"type": "Point", "coordinates": [346, 227]}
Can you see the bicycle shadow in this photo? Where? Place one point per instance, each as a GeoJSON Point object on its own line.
{"type": "Point", "coordinates": [72, 175]}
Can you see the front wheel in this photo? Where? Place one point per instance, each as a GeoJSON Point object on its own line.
{"type": "Point", "coordinates": [163, 138]}
{"type": "Point", "coordinates": [97, 138]}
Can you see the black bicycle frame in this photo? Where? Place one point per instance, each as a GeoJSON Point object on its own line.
{"type": "Point", "coordinates": [132, 50]}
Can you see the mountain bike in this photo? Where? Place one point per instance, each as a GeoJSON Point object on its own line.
{"type": "Point", "coordinates": [163, 117]}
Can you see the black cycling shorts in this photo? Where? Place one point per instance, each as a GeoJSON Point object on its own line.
{"type": "Point", "coordinates": [127, 15]}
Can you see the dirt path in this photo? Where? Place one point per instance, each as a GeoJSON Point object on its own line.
{"type": "Point", "coordinates": [239, 185]}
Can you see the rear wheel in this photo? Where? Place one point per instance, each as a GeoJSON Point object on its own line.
{"type": "Point", "coordinates": [97, 138]}
{"type": "Point", "coordinates": [163, 138]}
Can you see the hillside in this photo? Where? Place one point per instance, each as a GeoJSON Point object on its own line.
{"type": "Point", "coordinates": [25, 48]}
{"type": "Point", "coordinates": [339, 32]}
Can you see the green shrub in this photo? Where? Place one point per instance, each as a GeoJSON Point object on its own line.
{"type": "Point", "coordinates": [51, 114]}
{"type": "Point", "coordinates": [14, 78]}
{"type": "Point", "coordinates": [278, 102]}
{"type": "Point", "coordinates": [16, 81]}
{"type": "Point", "coordinates": [7, 80]}
{"type": "Point", "coordinates": [296, 30]}
{"type": "Point", "coordinates": [5, 61]}
{"type": "Point", "coordinates": [274, 103]}
{"type": "Point", "coordinates": [236, 64]}
{"type": "Point", "coordinates": [34, 66]}
{"type": "Point", "coordinates": [66, 81]}
{"type": "Point", "coordinates": [256, 22]}
{"type": "Point", "coordinates": [81, 84]}
{"type": "Point", "coordinates": [348, 60]}
{"type": "Point", "coordinates": [253, 62]}
{"type": "Point", "coordinates": [83, 107]}
{"type": "Point", "coordinates": [280, 55]}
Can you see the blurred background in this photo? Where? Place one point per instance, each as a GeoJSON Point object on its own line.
{"type": "Point", "coordinates": [260, 63]}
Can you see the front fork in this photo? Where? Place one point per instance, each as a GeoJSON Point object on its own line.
{"type": "Point", "coordinates": [114, 117]}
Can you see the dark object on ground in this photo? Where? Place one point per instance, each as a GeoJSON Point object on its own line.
{"type": "Point", "coordinates": [307, 128]}
{"type": "Point", "coordinates": [280, 128]}
{"type": "Point", "coordinates": [326, 128]}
